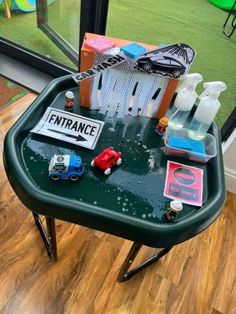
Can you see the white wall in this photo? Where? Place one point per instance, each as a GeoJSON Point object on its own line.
{"type": "Point", "coordinates": [229, 151]}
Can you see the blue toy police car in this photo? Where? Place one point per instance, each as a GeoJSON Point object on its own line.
{"type": "Point", "coordinates": [66, 167]}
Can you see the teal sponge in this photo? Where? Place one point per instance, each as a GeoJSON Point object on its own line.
{"type": "Point", "coordinates": [133, 50]}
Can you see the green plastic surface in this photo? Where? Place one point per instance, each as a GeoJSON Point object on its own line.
{"type": "Point", "coordinates": [223, 4]}
{"type": "Point", "coordinates": [129, 202]}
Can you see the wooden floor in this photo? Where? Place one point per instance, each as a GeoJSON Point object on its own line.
{"type": "Point", "coordinates": [198, 276]}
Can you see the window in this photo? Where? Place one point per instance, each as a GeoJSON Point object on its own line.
{"type": "Point", "coordinates": [198, 24]}
{"type": "Point", "coordinates": [53, 29]}
{"type": "Point", "coordinates": [62, 16]}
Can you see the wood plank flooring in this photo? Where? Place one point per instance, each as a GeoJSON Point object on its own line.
{"type": "Point", "coordinates": [197, 276]}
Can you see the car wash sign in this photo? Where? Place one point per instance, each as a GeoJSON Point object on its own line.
{"type": "Point", "coordinates": [69, 127]}
{"type": "Point", "coordinates": [99, 68]}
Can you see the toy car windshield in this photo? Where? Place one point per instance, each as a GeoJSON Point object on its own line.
{"type": "Point", "coordinates": [175, 62]}
{"type": "Point", "coordinates": [163, 60]}
{"type": "Point", "coordinates": [167, 60]}
{"type": "Point", "coordinates": [107, 157]}
{"type": "Point", "coordinates": [59, 167]}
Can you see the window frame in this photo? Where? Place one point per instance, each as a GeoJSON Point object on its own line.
{"type": "Point", "coordinates": [93, 19]}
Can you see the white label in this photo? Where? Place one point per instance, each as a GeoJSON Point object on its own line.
{"type": "Point", "coordinates": [69, 127]}
{"type": "Point", "coordinates": [99, 68]}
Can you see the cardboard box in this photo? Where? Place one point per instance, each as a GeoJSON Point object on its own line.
{"type": "Point", "coordinates": [86, 62]}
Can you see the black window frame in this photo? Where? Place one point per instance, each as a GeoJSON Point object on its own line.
{"type": "Point", "coordinates": [93, 19]}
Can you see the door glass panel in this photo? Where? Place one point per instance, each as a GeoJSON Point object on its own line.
{"type": "Point", "coordinates": [64, 18]}
{"type": "Point", "coordinates": [21, 28]}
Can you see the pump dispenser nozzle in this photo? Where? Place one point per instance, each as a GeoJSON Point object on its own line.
{"type": "Point", "coordinates": [213, 88]}
{"type": "Point", "coordinates": [190, 80]}
{"type": "Point", "coordinates": [185, 100]}
{"type": "Point", "coordinates": [207, 108]}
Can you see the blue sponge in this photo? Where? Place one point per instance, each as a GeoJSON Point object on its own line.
{"type": "Point", "coordinates": [133, 50]}
{"type": "Point", "coordinates": [188, 144]}
{"type": "Point", "coordinates": [179, 142]}
{"type": "Point", "coordinates": [198, 147]}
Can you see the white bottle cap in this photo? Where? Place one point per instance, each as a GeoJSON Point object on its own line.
{"type": "Point", "coordinates": [70, 95]}
{"type": "Point", "coordinates": [187, 95]}
{"type": "Point", "coordinates": [176, 206]}
{"type": "Point", "coordinates": [190, 79]}
{"type": "Point", "coordinates": [213, 88]}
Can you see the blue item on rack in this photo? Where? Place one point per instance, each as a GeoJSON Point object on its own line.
{"type": "Point", "coordinates": [133, 50]}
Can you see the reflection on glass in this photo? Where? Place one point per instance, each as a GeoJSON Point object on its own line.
{"type": "Point", "coordinates": [21, 27]}
{"type": "Point", "coordinates": [64, 18]}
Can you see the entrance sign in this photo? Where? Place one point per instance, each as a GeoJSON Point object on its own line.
{"type": "Point", "coordinates": [69, 127]}
{"type": "Point", "coordinates": [184, 183]}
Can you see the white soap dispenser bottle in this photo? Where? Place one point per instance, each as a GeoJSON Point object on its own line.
{"type": "Point", "coordinates": [208, 107]}
{"type": "Point", "coordinates": [184, 100]}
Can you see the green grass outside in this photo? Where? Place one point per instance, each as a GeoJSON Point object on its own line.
{"type": "Point", "coordinates": [22, 29]}
{"type": "Point", "coordinates": [195, 22]}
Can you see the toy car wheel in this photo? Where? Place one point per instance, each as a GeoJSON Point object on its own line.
{"type": "Point", "coordinates": [107, 171]}
{"type": "Point", "coordinates": [92, 163]}
{"type": "Point", "coordinates": [74, 177]}
{"type": "Point", "coordinates": [176, 73]}
{"type": "Point", "coordinates": [55, 178]}
{"type": "Point", "coordinates": [147, 67]}
{"type": "Point", "coordinates": [118, 162]}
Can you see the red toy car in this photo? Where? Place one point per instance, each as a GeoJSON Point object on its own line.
{"type": "Point", "coordinates": [107, 159]}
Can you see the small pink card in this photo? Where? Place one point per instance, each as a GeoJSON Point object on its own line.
{"type": "Point", "coordinates": [99, 44]}
{"type": "Point", "coordinates": [184, 183]}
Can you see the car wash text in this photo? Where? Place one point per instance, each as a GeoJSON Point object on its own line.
{"type": "Point", "coordinates": [108, 63]}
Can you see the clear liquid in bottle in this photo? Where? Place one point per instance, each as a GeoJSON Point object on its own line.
{"type": "Point", "coordinates": [197, 129]}
{"type": "Point", "coordinates": [178, 118]}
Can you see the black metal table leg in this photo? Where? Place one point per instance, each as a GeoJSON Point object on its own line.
{"type": "Point", "coordinates": [128, 261]}
{"type": "Point", "coordinates": [124, 274]}
{"type": "Point", "coordinates": [233, 24]}
{"type": "Point", "coordinates": [50, 239]}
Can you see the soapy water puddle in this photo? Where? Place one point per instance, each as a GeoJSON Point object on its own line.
{"type": "Point", "coordinates": [134, 192]}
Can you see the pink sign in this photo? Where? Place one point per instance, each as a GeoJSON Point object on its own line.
{"type": "Point", "coordinates": [184, 183]}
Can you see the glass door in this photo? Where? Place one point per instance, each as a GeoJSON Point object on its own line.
{"type": "Point", "coordinates": [65, 22]}
{"type": "Point", "coordinates": [49, 28]}
{"type": "Point", "coordinates": [60, 21]}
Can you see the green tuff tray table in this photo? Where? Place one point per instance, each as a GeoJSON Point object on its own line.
{"type": "Point", "coordinates": [129, 202]}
